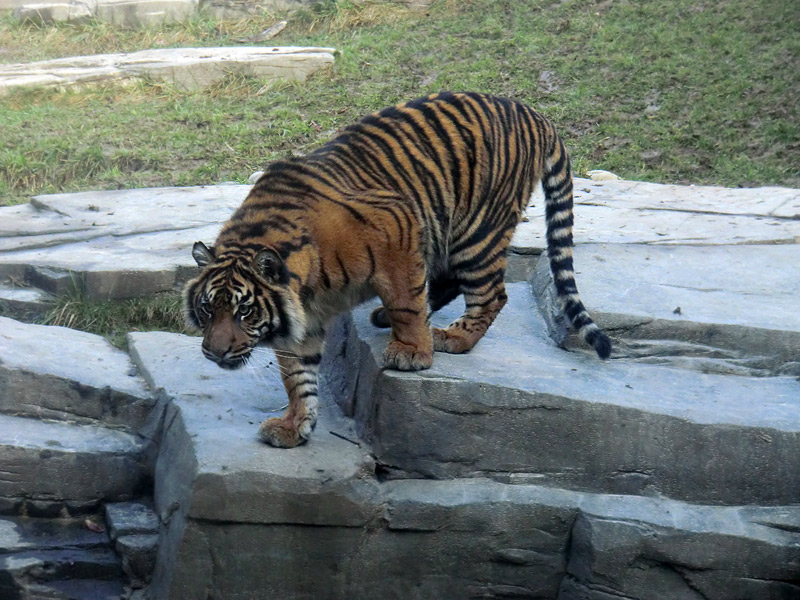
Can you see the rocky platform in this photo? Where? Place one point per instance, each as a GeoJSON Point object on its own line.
{"type": "Point", "coordinates": [520, 470]}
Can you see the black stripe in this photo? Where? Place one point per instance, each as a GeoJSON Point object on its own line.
{"type": "Point", "coordinates": [343, 269]}
{"type": "Point", "coordinates": [371, 263]}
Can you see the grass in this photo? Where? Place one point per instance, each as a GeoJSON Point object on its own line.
{"type": "Point", "coordinates": [677, 91]}
{"type": "Point", "coordinates": [114, 320]}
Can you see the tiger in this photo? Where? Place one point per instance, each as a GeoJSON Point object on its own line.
{"type": "Point", "coordinates": [415, 204]}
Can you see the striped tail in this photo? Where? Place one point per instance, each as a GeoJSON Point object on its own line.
{"type": "Point", "coordinates": [557, 184]}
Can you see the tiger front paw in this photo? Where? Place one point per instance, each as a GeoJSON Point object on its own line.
{"type": "Point", "coordinates": [405, 357]}
{"type": "Point", "coordinates": [283, 433]}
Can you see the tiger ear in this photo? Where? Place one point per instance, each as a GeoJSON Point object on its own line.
{"type": "Point", "coordinates": [202, 254]}
{"type": "Point", "coordinates": [270, 265]}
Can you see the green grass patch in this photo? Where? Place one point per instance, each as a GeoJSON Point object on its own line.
{"type": "Point", "coordinates": [163, 312]}
{"type": "Point", "coordinates": [674, 91]}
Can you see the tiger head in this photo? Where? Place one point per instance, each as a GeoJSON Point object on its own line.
{"type": "Point", "coordinates": [240, 300]}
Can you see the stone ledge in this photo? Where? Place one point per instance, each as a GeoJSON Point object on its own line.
{"type": "Point", "coordinates": [230, 503]}
{"type": "Point", "coordinates": [61, 462]}
{"type": "Point", "coordinates": [91, 383]}
{"type": "Point", "coordinates": [186, 68]}
{"type": "Point", "coordinates": [520, 409]}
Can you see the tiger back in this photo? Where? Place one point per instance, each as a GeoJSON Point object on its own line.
{"type": "Point", "coordinates": [415, 204]}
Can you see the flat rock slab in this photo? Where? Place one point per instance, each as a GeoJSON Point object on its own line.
{"type": "Point", "coordinates": [519, 408]}
{"type": "Point", "coordinates": [117, 244]}
{"type": "Point", "coordinates": [58, 461]}
{"type": "Point", "coordinates": [186, 68]}
{"type": "Point", "coordinates": [636, 212]}
{"type": "Point", "coordinates": [125, 13]}
{"type": "Point", "coordinates": [125, 243]}
{"type": "Point", "coordinates": [229, 473]}
{"type": "Point", "coordinates": [742, 299]}
{"type": "Point", "coordinates": [62, 374]}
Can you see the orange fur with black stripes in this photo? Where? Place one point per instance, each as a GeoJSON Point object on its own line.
{"type": "Point", "coordinates": [415, 204]}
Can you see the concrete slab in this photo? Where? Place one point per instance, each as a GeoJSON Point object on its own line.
{"type": "Point", "coordinates": [739, 298]}
{"type": "Point", "coordinates": [64, 374]}
{"type": "Point", "coordinates": [57, 461]}
{"type": "Point", "coordinates": [518, 408]}
{"type": "Point", "coordinates": [633, 212]}
{"type": "Point", "coordinates": [232, 472]}
{"type": "Point", "coordinates": [186, 68]}
{"type": "Point", "coordinates": [115, 244]}
{"type": "Point", "coordinates": [23, 302]}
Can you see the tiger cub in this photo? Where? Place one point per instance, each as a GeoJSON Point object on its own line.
{"type": "Point", "coordinates": [415, 204]}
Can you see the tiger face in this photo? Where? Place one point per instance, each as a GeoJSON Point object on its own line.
{"type": "Point", "coordinates": [242, 299]}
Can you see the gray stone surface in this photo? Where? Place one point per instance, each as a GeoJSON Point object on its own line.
{"type": "Point", "coordinates": [64, 374]}
{"type": "Point", "coordinates": [232, 505]}
{"type": "Point", "coordinates": [56, 559]}
{"type": "Point", "coordinates": [135, 242]}
{"type": "Point", "coordinates": [115, 244]}
{"type": "Point", "coordinates": [563, 461]}
{"type": "Point", "coordinates": [130, 518]}
{"type": "Point", "coordinates": [22, 302]}
{"type": "Point", "coordinates": [185, 68]}
{"type": "Point", "coordinates": [518, 408]}
{"type": "Point", "coordinates": [637, 212]}
{"type": "Point", "coordinates": [213, 467]}
{"type": "Point", "coordinates": [138, 554]}
{"type": "Point", "coordinates": [57, 461]}
{"type": "Point", "coordinates": [125, 13]}
{"type": "Point", "coordinates": [739, 298]}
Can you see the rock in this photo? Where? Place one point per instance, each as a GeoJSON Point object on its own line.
{"type": "Point", "coordinates": [109, 245]}
{"type": "Point", "coordinates": [185, 68]}
{"type": "Point", "coordinates": [125, 13]}
{"type": "Point", "coordinates": [24, 302]}
{"type": "Point", "coordinates": [518, 408]}
{"type": "Point", "coordinates": [748, 313]}
{"type": "Point", "coordinates": [58, 461]}
{"type": "Point", "coordinates": [130, 519]}
{"type": "Point", "coordinates": [229, 503]}
{"type": "Point", "coordinates": [90, 383]}
{"type": "Point", "coordinates": [48, 558]}
{"type": "Point", "coordinates": [600, 175]}
{"type": "Point", "coordinates": [138, 554]}
{"type": "Point", "coordinates": [52, 12]}
{"type": "Point", "coordinates": [632, 212]}
{"type": "Point", "coordinates": [144, 13]}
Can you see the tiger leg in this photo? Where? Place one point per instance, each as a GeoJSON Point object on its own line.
{"type": "Point", "coordinates": [484, 300]}
{"type": "Point", "coordinates": [441, 292]}
{"type": "Point", "coordinates": [300, 372]}
{"type": "Point", "coordinates": [404, 297]}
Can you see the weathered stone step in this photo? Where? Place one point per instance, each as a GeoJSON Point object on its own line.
{"type": "Point", "coordinates": [78, 589]}
{"type": "Point", "coordinates": [63, 374]}
{"type": "Point", "coordinates": [56, 462]}
{"type": "Point", "coordinates": [320, 508]}
{"type": "Point", "coordinates": [22, 302]}
{"type": "Point", "coordinates": [54, 558]}
{"type": "Point", "coordinates": [522, 410]}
